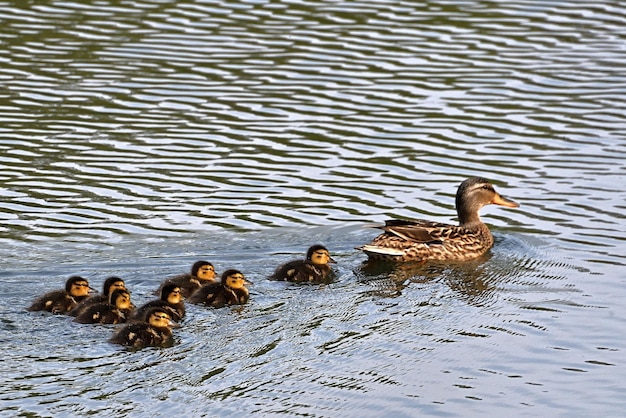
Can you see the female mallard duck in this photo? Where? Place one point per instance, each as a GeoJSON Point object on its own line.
{"type": "Point", "coordinates": [202, 273]}
{"type": "Point", "coordinates": [154, 332]}
{"type": "Point", "coordinates": [313, 269]}
{"type": "Point", "coordinates": [108, 287]}
{"type": "Point", "coordinates": [63, 301]}
{"type": "Point", "coordinates": [171, 300]}
{"type": "Point", "coordinates": [116, 311]}
{"type": "Point", "coordinates": [419, 240]}
{"type": "Point", "coordinates": [230, 291]}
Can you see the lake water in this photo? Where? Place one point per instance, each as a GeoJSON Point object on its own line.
{"type": "Point", "coordinates": [137, 137]}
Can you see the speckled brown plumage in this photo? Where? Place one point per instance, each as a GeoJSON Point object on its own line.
{"type": "Point", "coordinates": [420, 240]}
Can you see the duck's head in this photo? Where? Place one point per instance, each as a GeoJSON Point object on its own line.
{"type": "Point", "coordinates": [171, 294]}
{"type": "Point", "coordinates": [77, 286]}
{"type": "Point", "coordinates": [159, 318]}
{"type": "Point", "coordinates": [318, 254]}
{"type": "Point", "coordinates": [112, 283]}
{"type": "Point", "coordinates": [203, 270]}
{"type": "Point", "coordinates": [234, 279]}
{"type": "Point", "coordinates": [120, 298]}
{"type": "Point", "coordinates": [473, 194]}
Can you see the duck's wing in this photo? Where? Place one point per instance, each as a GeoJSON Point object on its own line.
{"type": "Point", "coordinates": [418, 231]}
{"type": "Point", "coordinates": [288, 271]}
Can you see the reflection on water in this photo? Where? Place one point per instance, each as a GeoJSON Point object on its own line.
{"type": "Point", "coordinates": [139, 137]}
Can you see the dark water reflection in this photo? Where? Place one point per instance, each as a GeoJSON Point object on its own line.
{"type": "Point", "coordinates": [137, 137]}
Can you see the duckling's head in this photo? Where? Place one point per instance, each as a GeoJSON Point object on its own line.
{"type": "Point", "coordinates": [203, 270]}
{"type": "Point", "coordinates": [77, 286]}
{"type": "Point", "coordinates": [120, 298]}
{"type": "Point", "coordinates": [473, 194]}
{"type": "Point", "coordinates": [234, 279]}
{"type": "Point", "coordinates": [171, 294]}
{"type": "Point", "coordinates": [318, 254]}
{"type": "Point", "coordinates": [159, 318]}
{"type": "Point", "coordinates": [112, 283]}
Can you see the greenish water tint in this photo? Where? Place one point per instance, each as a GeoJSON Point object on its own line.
{"type": "Point", "coordinates": [139, 137]}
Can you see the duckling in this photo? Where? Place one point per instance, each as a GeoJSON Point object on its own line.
{"type": "Point", "coordinates": [155, 331]}
{"type": "Point", "coordinates": [171, 299]}
{"type": "Point", "coordinates": [420, 240]}
{"type": "Point", "coordinates": [116, 311]}
{"type": "Point", "coordinates": [62, 301]}
{"type": "Point", "coordinates": [202, 273]}
{"type": "Point", "coordinates": [230, 291]}
{"type": "Point", "coordinates": [110, 284]}
{"type": "Point", "coordinates": [313, 269]}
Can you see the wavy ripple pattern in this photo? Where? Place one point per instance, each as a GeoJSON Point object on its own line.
{"type": "Point", "coordinates": [209, 119]}
{"type": "Point", "coordinates": [165, 117]}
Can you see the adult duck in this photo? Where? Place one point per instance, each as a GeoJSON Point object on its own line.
{"type": "Point", "coordinates": [421, 240]}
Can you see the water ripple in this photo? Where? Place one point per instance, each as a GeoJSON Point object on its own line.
{"type": "Point", "coordinates": [208, 121]}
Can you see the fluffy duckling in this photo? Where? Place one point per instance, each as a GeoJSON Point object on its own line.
{"type": "Point", "coordinates": [108, 287]}
{"type": "Point", "coordinates": [155, 331]}
{"type": "Point", "coordinates": [63, 301]}
{"type": "Point", "coordinates": [231, 290]}
{"type": "Point", "coordinates": [171, 300]}
{"type": "Point", "coordinates": [421, 240]}
{"type": "Point", "coordinates": [202, 273]}
{"type": "Point", "coordinates": [314, 268]}
{"type": "Point", "coordinates": [116, 311]}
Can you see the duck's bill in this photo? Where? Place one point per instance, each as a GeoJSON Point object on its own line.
{"type": "Point", "coordinates": [503, 201]}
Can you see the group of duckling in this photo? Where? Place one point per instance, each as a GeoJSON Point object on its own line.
{"type": "Point", "coordinates": [151, 324]}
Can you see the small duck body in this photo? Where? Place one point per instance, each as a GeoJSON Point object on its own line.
{"type": "Point", "coordinates": [202, 273]}
{"type": "Point", "coordinates": [176, 310]}
{"type": "Point", "coordinates": [230, 290]}
{"type": "Point", "coordinates": [171, 300]}
{"type": "Point", "coordinates": [154, 332]}
{"type": "Point", "coordinates": [63, 301]}
{"type": "Point", "coordinates": [116, 311]}
{"type": "Point", "coordinates": [421, 240]}
{"type": "Point", "coordinates": [314, 268]}
{"type": "Point", "coordinates": [103, 313]}
{"type": "Point", "coordinates": [109, 286]}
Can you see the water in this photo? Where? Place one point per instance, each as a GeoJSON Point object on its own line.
{"type": "Point", "coordinates": [139, 137]}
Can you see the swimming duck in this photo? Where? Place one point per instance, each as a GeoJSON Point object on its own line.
{"type": "Point", "coordinates": [110, 284]}
{"type": "Point", "coordinates": [231, 290]}
{"type": "Point", "coordinates": [314, 268]}
{"type": "Point", "coordinates": [62, 301]}
{"type": "Point", "coordinates": [116, 311]}
{"type": "Point", "coordinates": [202, 272]}
{"type": "Point", "coordinates": [155, 331]}
{"type": "Point", "coordinates": [171, 300]}
{"type": "Point", "coordinates": [420, 240]}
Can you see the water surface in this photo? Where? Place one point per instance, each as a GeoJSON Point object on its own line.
{"type": "Point", "coordinates": [139, 137]}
